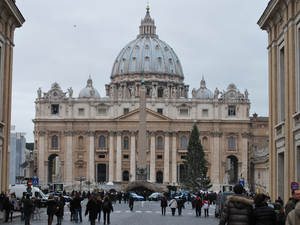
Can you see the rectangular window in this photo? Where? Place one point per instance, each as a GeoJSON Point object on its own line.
{"type": "Point", "coordinates": [126, 144]}
{"type": "Point", "coordinates": [258, 174]}
{"type": "Point", "coordinates": [183, 157]}
{"type": "Point", "coordinates": [101, 156]}
{"type": "Point", "coordinates": [54, 109]}
{"type": "Point", "coordinates": [126, 110]}
{"type": "Point", "coordinates": [281, 85]}
{"type": "Point", "coordinates": [81, 112]}
{"type": "Point", "coordinates": [126, 156]}
{"type": "Point", "coordinates": [205, 112]}
{"type": "Point", "coordinates": [184, 112]}
{"type": "Point", "coordinates": [231, 110]}
{"type": "Point", "coordinates": [101, 111]}
{"type": "Point", "coordinates": [255, 148]}
{"type": "Point", "coordinates": [159, 156]}
{"type": "Point", "coordinates": [160, 93]}
{"type": "Point", "coordinates": [160, 111]}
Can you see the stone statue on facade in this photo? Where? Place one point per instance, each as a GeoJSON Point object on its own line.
{"type": "Point", "coordinates": [174, 94]}
{"type": "Point", "coordinates": [216, 94]}
{"type": "Point", "coordinates": [226, 178]}
{"type": "Point", "coordinates": [132, 91]}
{"type": "Point", "coordinates": [246, 94]}
{"type": "Point", "coordinates": [120, 92]}
{"type": "Point", "coordinates": [152, 92]}
{"type": "Point", "coordinates": [92, 92]}
{"type": "Point", "coordinates": [70, 90]}
{"type": "Point", "coordinates": [112, 92]}
{"type": "Point", "coordinates": [39, 92]}
{"type": "Point", "coordinates": [166, 93]}
{"type": "Point", "coordinates": [194, 93]}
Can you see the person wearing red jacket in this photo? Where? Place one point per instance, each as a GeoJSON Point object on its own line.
{"type": "Point", "coordinates": [198, 205]}
{"type": "Point", "coordinates": [205, 205]}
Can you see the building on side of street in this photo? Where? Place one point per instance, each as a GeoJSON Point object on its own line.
{"type": "Point", "coordinates": [10, 19]}
{"type": "Point", "coordinates": [96, 137]}
{"type": "Point", "coordinates": [281, 21]}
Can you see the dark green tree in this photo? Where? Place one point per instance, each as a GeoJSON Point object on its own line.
{"type": "Point", "coordinates": [194, 174]}
{"type": "Point", "coordinates": [30, 146]}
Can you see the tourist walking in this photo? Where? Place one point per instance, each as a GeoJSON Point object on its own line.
{"type": "Point", "coordinates": [51, 208]}
{"type": "Point", "coordinates": [59, 210]}
{"type": "Point", "coordinates": [163, 204]}
{"type": "Point", "coordinates": [99, 202]}
{"type": "Point", "coordinates": [37, 205]}
{"type": "Point", "coordinates": [180, 204]}
{"type": "Point", "coordinates": [262, 214]}
{"type": "Point", "coordinates": [237, 208]}
{"type": "Point", "coordinates": [292, 203]}
{"type": "Point", "coordinates": [173, 205]}
{"type": "Point", "coordinates": [107, 208]}
{"type": "Point", "coordinates": [72, 208]}
{"type": "Point", "coordinates": [92, 208]}
{"type": "Point", "coordinates": [6, 208]}
{"type": "Point", "coordinates": [205, 206]}
{"type": "Point", "coordinates": [198, 205]}
{"type": "Point", "coordinates": [28, 208]}
{"type": "Point", "coordinates": [77, 205]}
{"type": "Point", "coordinates": [293, 217]}
{"type": "Point", "coordinates": [131, 202]}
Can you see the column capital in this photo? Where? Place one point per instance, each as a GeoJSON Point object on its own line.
{"type": "Point", "coordinates": [167, 133]}
{"type": "Point", "coordinates": [69, 132]}
{"type": "Point", "coordinates": [174, 133]}
{"type": "Point", "coordinates": [90, 133]}
{"type": "Point", "coordinates": [119, 132]}
{"type": "Point", "coordinates": [111, 133]}
{"type": "Point", "coordinates": [152, 133]}
{"type": "Point", "coordinates": [41, 132]}
{"type": "Point", "coordinates": [216, 133]}
{"type": "Point", "coordinates": [133, 133]}
{"type": "Point", "coordinates": [246, 134]}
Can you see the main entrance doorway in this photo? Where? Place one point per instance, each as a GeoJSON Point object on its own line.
{"type": "Point", "coordinates": [101, 173]}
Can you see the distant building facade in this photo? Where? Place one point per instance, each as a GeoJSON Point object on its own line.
{"type": "Point", "coordinates": [17, 157]}
{"type": "Point", "coordinates": [259, 154]}
{"type": "Point", "coordinates": [281, 20]}
{"type": "Point", "coordinates": [10, 19]}
{"type": "Point", "coordinates": [97, 137]}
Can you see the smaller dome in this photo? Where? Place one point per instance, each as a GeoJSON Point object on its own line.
{"type": "Point", "coordinates": [89, 91]}
{"type": "Point", "coordinates": [203, 92]}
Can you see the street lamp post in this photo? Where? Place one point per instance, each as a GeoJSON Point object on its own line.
{"type": "Point", "coordinates": [80, 178]}
{"type": "Point", "coordinates": [202, 180]}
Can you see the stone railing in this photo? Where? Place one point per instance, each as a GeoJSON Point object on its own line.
{"type": "Point", "coordinates": [296, 120]}
{"type": "Point", "coordinates": [279, 129]}
{"type": "Point", "coordinates": [101, 150]}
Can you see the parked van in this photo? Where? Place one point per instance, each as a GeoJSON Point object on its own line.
{"type": "Point", "coordinates": [20, 189]}
{"type": "Point", "coordinates": [221, 198]}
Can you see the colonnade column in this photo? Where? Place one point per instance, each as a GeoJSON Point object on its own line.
{"type": "Point", "coordinates": [245, 138]}
{"type": "Point", "coordinates": [91, 162]}
{"type": "Point", "coordinates": [68, 157]}
{"type": "Point", "coordinates": [132, 156]}
{"type": "Point", "coordinates": [119, 156]}
{"type": "Point", "coordinates": [216, 171]}
{"type": "Point", "coordinates": [174, 157]}
{"type": "Point", "coordinates": [152, 157]}
{"type": "Point", "coordinates": [167, 160]}
{"type": "Point", "coordinates": [41, 157]}
{"type": "Point", "coordinates": [111, 156]}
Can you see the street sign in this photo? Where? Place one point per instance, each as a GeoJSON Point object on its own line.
{"type": "Point", "coordinates": [29, 183]}
{"type": "Point", "coordinates": [35, 181]}
{"type": "Point", "coordinates": [294, 186]}
{"type": "Point", "coordinates": [242, 182]}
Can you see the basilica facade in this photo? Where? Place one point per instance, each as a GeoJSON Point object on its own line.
{"type": "Point", "coordinates": [98, 137]}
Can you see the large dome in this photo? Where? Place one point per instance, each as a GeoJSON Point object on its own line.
{"type": "Point", "coordinates": [147, 53]}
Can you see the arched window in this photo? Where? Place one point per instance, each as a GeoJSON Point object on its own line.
{"type": "Point", "coordinates": [204, 142]}
{"type": "Point", "coordinates": [54, 141]}
{"type": "Point", "coordinates": [101, 141]}
{"type": "Point", "coordinates": [231, 144]}
{"type": "Point", "coordinates": [159, 177]}
{"type": "Point", "coordinates": [183, 142]}
{"type": "Point", "coordinates": [125, 176]}
{"type": "Point", "coordinates": [159, 143]}
{"type": "Point", "coordinates": [126, 142]}
{"type": "Point", "coordinates": [80, 142]}
{"type": "Point", "coordinates": [36, 144]}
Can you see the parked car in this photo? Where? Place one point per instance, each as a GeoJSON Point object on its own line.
{"type": "Point", "coordinates": [221, 198]}
{"type": "Point", "coordinates": [155, 196]}
{"type": "Point", "coordinates": [137, 197]}
{"type": "Point", "coordinates": [56, 194]}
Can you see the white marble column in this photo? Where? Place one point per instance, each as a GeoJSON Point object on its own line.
{"type": "Point", "coordinates": [41, 157]}
{"type": "Point", "coordinates": [174, 157]}
{"type": "Point", "coordinates": [68, 157]}
{"type": "Point", "coordinates": [91, 162]}
{"type": "Point", "coordinates": [119, 157]}
{"type": "Point", "coordinates": [245, 138]}
{"type": "Point", "coordinates": [132, 156]}
{"type": "Point", "coordinates": [216, 161]}
{"type": "Point", "coordinates": [111, 157]}
{"type": "Point", "coordinates": [167, 160]}
{"type": "Point", "coordinates": [152, 157]}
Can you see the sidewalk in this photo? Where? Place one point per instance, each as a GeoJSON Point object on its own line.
{"type": "Point", "coordinates": [15, 215]}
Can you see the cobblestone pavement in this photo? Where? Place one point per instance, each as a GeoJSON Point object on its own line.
{"type": "Point", "coordinates": [144, 213]}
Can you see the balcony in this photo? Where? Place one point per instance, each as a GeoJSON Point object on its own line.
{"type": "Point", "coordinates": [54, 150]}
{"type": "Point", "coordinates": [101, 150]}
{"type": "Point", "coordinates": [279, 130]}
{"type": "Point", "coordinates": [182, 151]}
{"type": "Point", "coordinates": [296, 121]}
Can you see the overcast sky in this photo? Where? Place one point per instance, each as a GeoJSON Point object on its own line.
{"type": "Point", "coordinates": [66, 41]}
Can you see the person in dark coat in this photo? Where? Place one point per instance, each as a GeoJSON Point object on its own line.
{"type": "Point", "coordinates": [28, 208]}
{"type": "Point", "coordinates": [131, 202]}
{"type": "Point", "coordinates": [163, 204]}
{"type": "Point", "coordinates": [51, 208]}
{"type": "Point", "coordinates": [92, 208]}
{"type": "Point", "coordinates": [72, 209]}
{"type": "Point", "coordinates": [6, 207]}
{"type": "Point", "coordinates": [107, 208]}
{"type": "Point", "coordinates": [120, 197]}
{"type": "Point", "coordinates": [59, 210]}
{"type": "Point", "coordinates": [237, 208]}
{"type": "Point", "coordinates": [99, 199]}
{"type": "Point", "coordinates": [198, 205]}
{"type": "Point", "coordinates": [263, 214]}
{"type": "Point", "coordinates": [180, 203]}
{"type": "Point", "coordinates": [77, 206]}
{"type": "Point", "coordinates": [292, 203]}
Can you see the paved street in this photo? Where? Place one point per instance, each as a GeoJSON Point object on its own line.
{"type": "Point", "coordinates": [143, 213]}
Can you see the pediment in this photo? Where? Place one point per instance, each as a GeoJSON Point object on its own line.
{"type": "Point", "coordinates": [150, 116]}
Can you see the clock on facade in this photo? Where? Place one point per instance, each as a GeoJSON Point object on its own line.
{"type": "Point", "coordinates": [231, 95]}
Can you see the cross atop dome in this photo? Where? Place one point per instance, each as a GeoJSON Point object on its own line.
{"type": "Point", "coordinates": [147, 27]}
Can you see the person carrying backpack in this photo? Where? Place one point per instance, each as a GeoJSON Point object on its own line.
{"type": "Point", "coordinates": [107, 208]}
{"type": "Point", "coordinates": [205, 206]}
{"type": "Point", "coordinates": [198, 205]}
